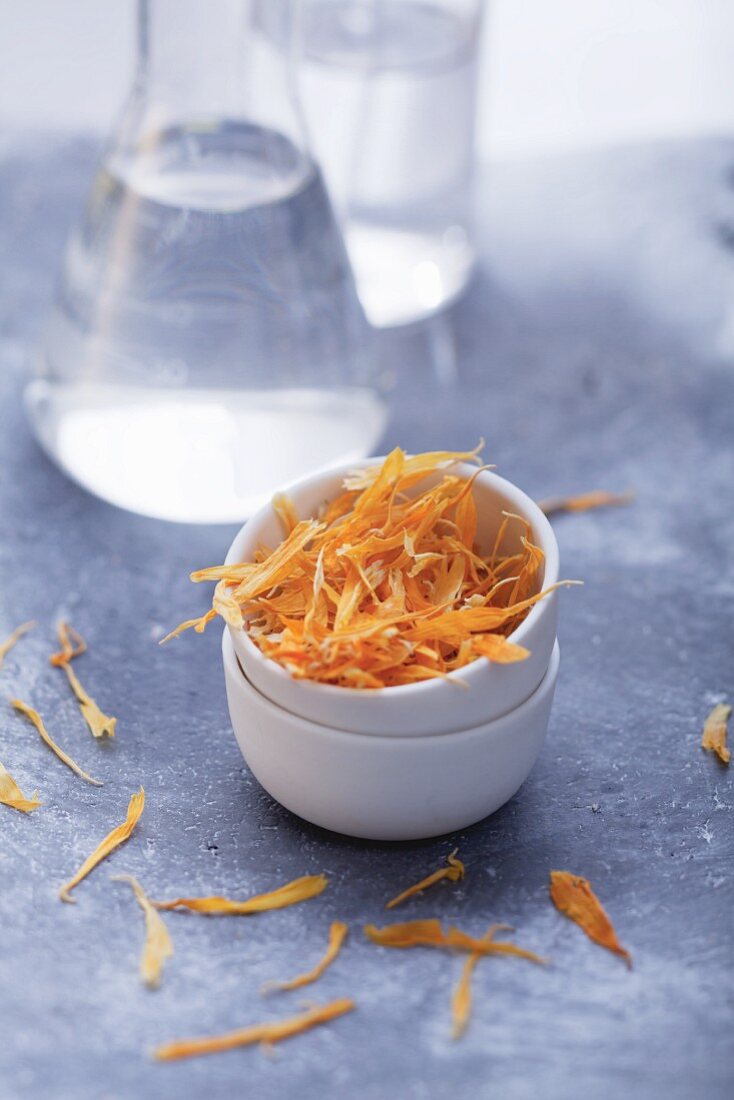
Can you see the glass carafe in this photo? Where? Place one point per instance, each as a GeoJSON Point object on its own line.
{"type": "Point", "coordinates": [206, 345]}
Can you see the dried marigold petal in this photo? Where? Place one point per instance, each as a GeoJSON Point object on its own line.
{"type": "Point", "coordinates": [265, 1034]}
{"type": "Point", "coordinates": [461, 1000]}
{"type": "Point", "coordinates": [498, 649]}
{"type": "Point", "coordinates": [113, 840]}
{"type": "Point", "coordinates": [453, 872]}
{"type": "Point", "coordinates": [415, 467]}
{"type": "Point", "coordinates": [199, 625]}
{"type": "Point", "coordinates": [100, 724]}
{"type": "Point", "coordinates": [158, 944]}
{"type": "Point", "coordinates": [429, 933]}
{"type": "Point", "coordinates": [573, 896]}
{"type": "Point", "coordinates": [265, 575]}
{"type": "Point", "coordinates": [300, 889]}
{"type": "Point", "coordinates": [461, 942]}
{"type": "Point", "coordinates": [714, 732]}
{"type": "Point", "coordinates": [11, 794]}
{"type": "Point", "coordinates": [37, 721]}
{"type": "Point", "coordinates": [412, 933]}
{"type": "Point", "coordinates": [71, 642]}
{"type": "Point", "coordinates": [337, 936]}
{"type": "Point", "coordinates": [14, 638]}
{"type": "Point", "coordinates": [598, 498]}
{"type": "Point", "coordinates": [73, 645]}
{"type": "Point", "coordinates": [285, 511]}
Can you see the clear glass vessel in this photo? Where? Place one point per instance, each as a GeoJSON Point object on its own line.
{"type": "Point", "coordinates": [398, 151]}
{"type": "Point", "coordinates": [207, 344]}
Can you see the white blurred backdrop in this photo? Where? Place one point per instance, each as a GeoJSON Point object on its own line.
{"type": "Point", "coordinates": [558, 74]}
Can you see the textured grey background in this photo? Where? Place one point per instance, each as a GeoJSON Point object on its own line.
{"type": "Point", "coordinates": [593, 351]}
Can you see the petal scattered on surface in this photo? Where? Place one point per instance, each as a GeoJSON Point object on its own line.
{"type": "Point", "coordinates": [461, 1001]}
{"type": "Point", "coordinates": [100, 724]}
{"type": "Point", "coordinates": [11, 794]}
{"type": "Point", "coordinates": [64, 757]}
{"type": "Point", "coordinates": [158, 944]}
{"type": "Point", "coordinates": [597, 498]}
{"type": "Point", "coordinates": [429, 933]}
{"type": "Point", "coordinates": [453, 872]}
{"type": "Point", "coordinates": [337, 936]}
{"type": "Point", "coordinates": [73, 645]}
{"type": "Point", "coordinates": [118, 836]}
{"type": "Point", "coordinates": [300, 889]}
{"type": "Point", "coordinates": [14, 638]}
{"type": "Point", "coordinates": [573, 896]}
{"type": "Point", "coordinates": [265, 1034]}
{"type": "Point", "coordinates": [714, 732]}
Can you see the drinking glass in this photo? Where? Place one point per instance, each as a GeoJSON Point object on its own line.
{"type": "Point", "coordinates": [389, 89]}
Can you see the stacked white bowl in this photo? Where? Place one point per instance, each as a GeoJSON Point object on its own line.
{"type": "Point", "coordinates": [399, 763]}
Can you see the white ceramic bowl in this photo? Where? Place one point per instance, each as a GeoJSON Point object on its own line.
{"type": "Point", "coordinates": [434, 706]}
{"type": "Point", "coordinates": [386, 788]}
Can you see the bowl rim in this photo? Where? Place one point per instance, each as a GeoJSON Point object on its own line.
{"type": "Point", "coordinates": [234, 668]}
{"type": "Point", "coordinates": [526, 507]}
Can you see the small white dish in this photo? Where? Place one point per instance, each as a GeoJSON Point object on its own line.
{"type": "Point", "coordinates": [386, 788]}
{"type": "Point", "coordinates": [432, 707]}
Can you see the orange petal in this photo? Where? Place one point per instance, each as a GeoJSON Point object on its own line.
{"type": "Point", "coordinates": [337, 936]}
{"type": "Point", "coordinates": [71, 642]}
{"type": "Point", "coordinates": [598, 498]}
{"type": "Point", "coordinates": [573, 896]}
{"type": "Point", "coordinates": [300, 889]}
{"type": "Point", "coordinates": [454, 871]}
{"type": "Point", "coordinates": [11, 794]}
{"type": "Point", "coordinates": [113, 840]}
{"type": "Point", "coordinates": [158, 945]}
{"type": "Point", "coordinates": [14, 638]}
{"type": "Point", "coordinates": [265, 1034]}
{"type": "Point", "coordinates": [37, 721]}
{"type": "Point", "coordinates": [714, 732]}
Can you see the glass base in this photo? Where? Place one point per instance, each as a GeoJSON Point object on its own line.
{"type": "Point", "coordinates": [404, 276]}
{"type": "Point", "coordinates": [199, 456]}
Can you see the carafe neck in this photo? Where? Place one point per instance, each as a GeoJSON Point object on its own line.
{"type": "Point", "coordinates": [215, 59]}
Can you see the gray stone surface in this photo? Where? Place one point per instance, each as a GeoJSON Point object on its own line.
{"type": "Point", "coordinates": [593, 351]}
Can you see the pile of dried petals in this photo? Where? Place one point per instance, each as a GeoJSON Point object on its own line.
{"type": "Point", "coordinates": [386, 587]}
